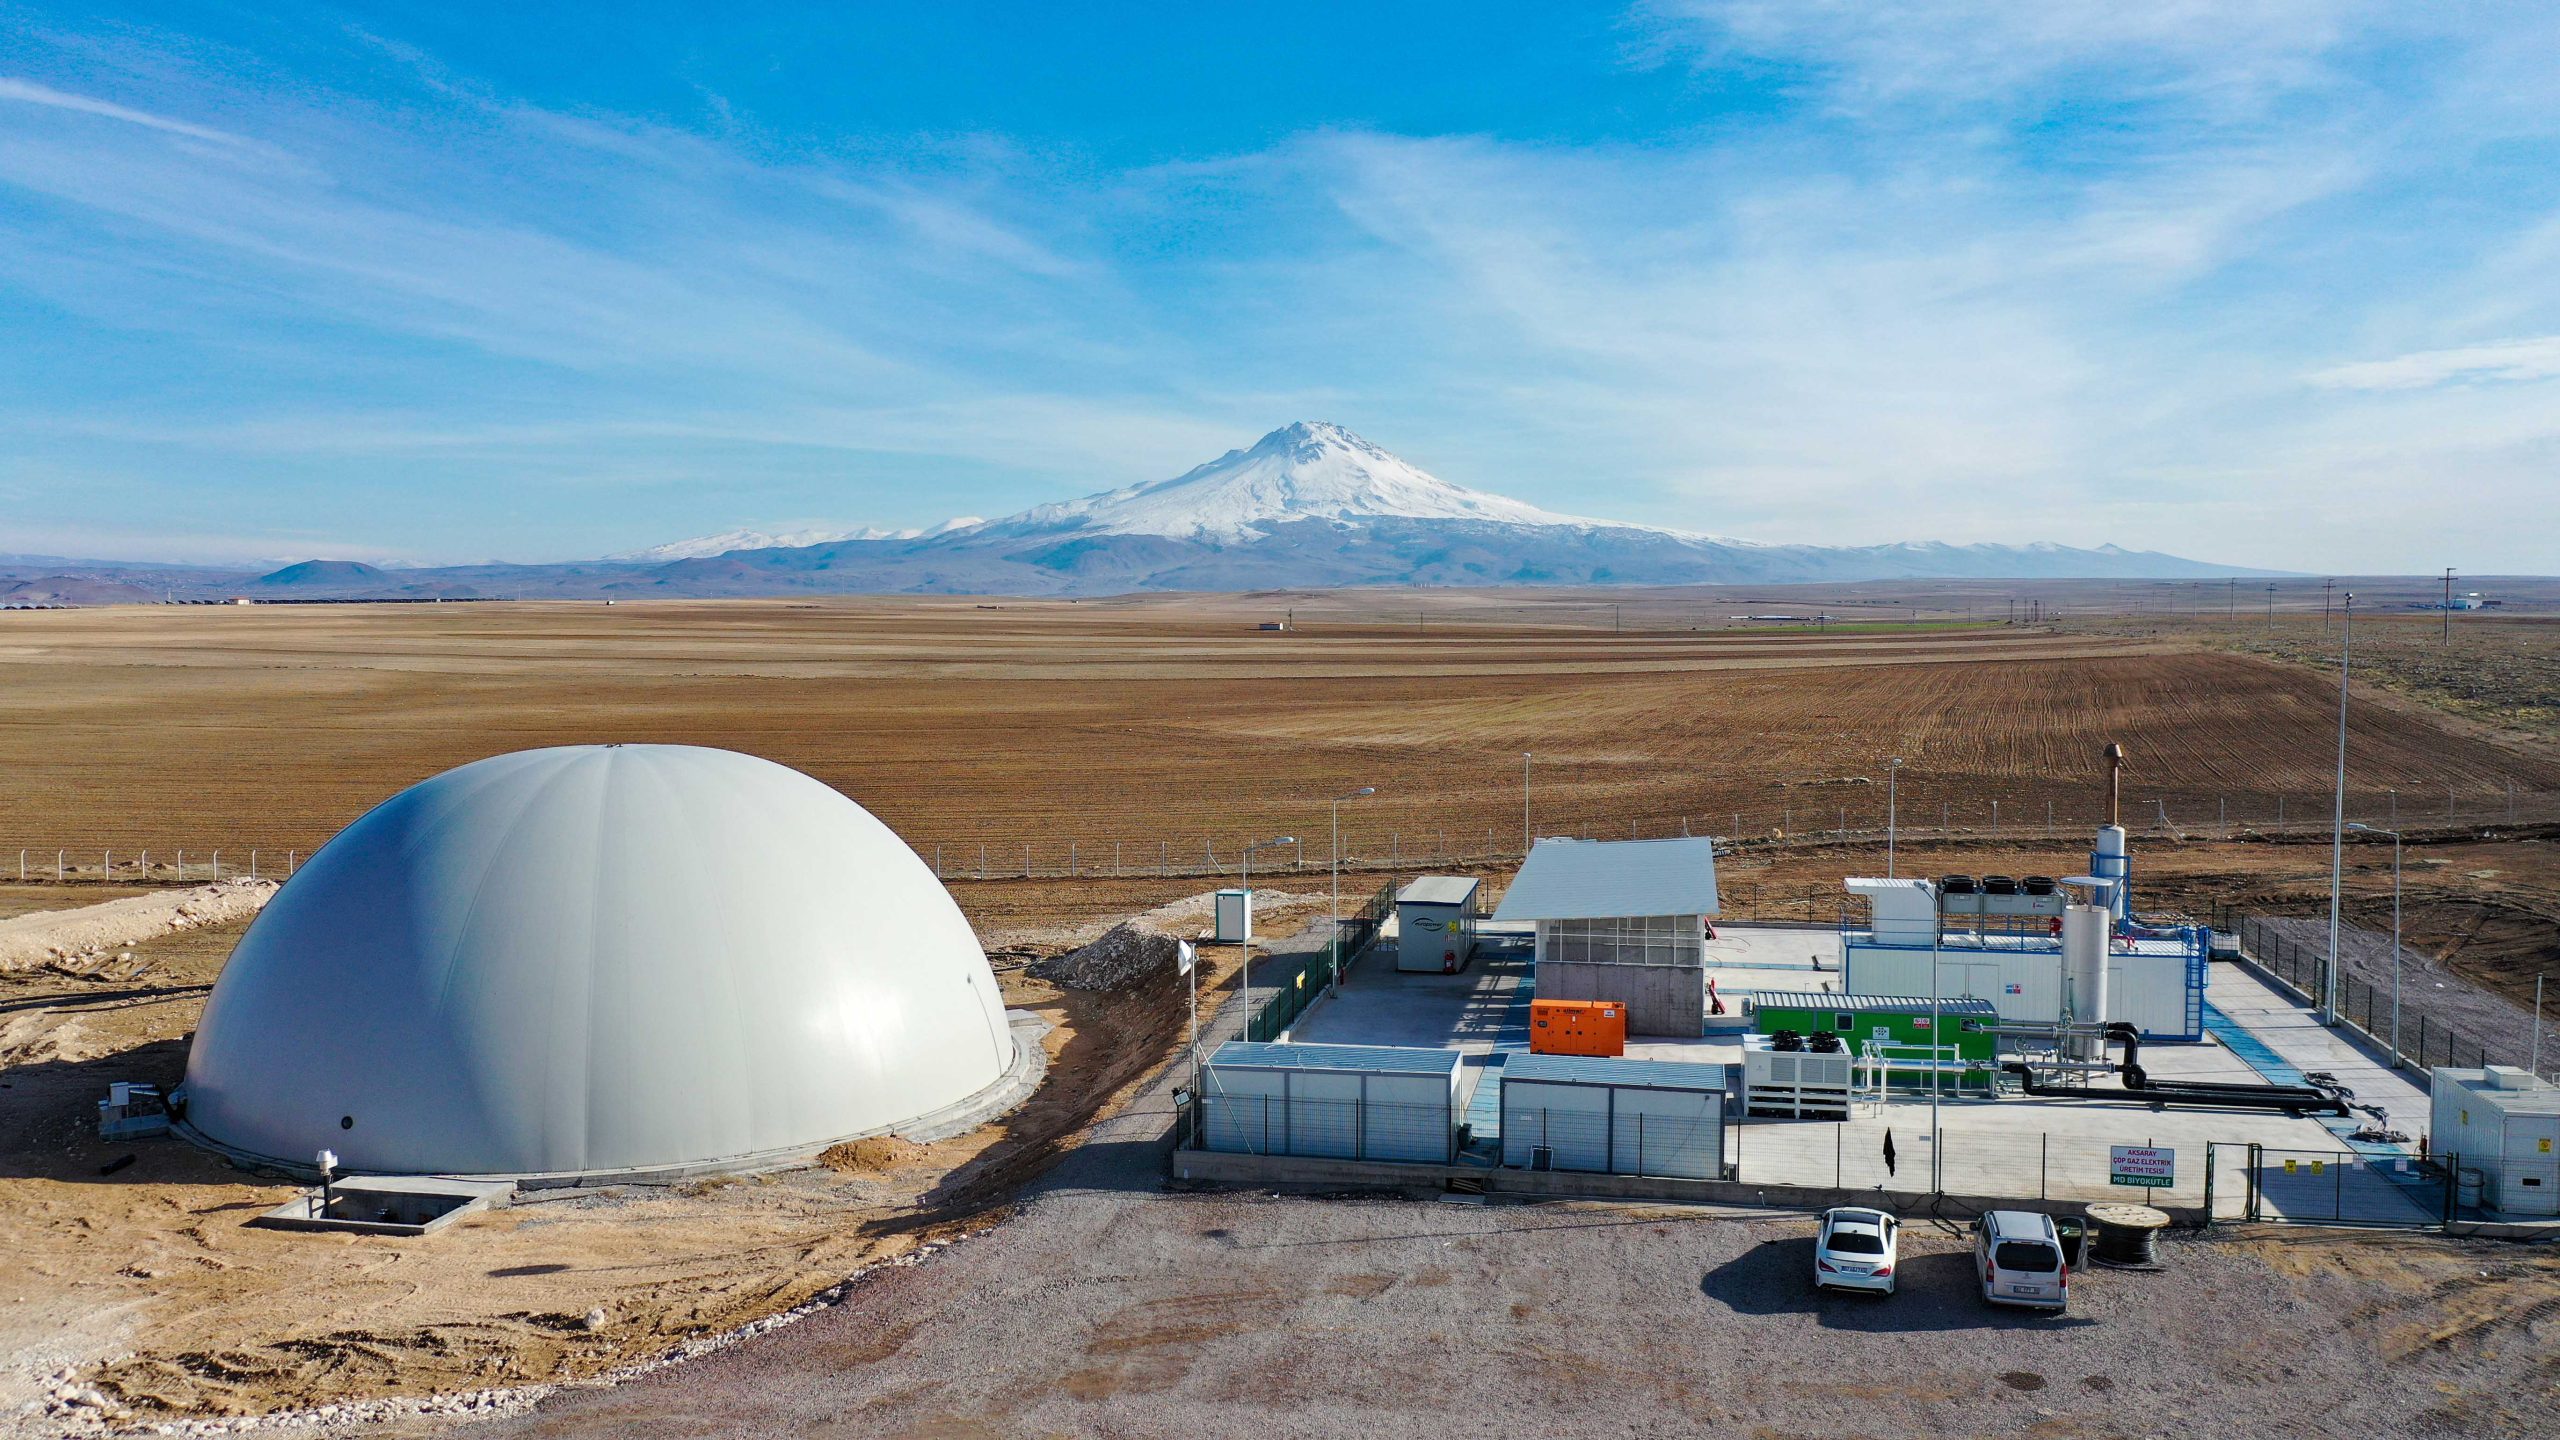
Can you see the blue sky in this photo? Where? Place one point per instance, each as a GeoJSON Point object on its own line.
{"type": "Point", "coordinates": [2277, 284]}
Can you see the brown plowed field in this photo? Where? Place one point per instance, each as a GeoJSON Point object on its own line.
{"type": "Point", "coordinates": [1158, 724]}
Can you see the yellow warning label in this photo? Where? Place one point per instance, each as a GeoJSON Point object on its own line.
{"type": "Point", "coordinates": [2291, 1165]}
{"type": "Point", "coordinates": [2315, 1167]}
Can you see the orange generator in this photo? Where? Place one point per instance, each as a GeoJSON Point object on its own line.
{"type": "Point", "coordinates": [1577, 1027]}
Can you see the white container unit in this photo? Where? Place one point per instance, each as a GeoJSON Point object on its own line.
{"type": "Point", "coordinates": [1613, 1117]}
{"type": "Point", "coordinates": [1436, 924]}
{"type": "Point", "coordinates": [1343, 1102]}
{"type": "Point", "coordinates": [2503, 1122]}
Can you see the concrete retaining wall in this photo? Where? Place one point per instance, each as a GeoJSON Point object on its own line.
{"type": "Point", "coordinates": [1283, 1172]}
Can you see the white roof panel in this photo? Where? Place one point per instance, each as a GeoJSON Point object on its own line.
{"type": "Point", "coordinates": [1610, 879]}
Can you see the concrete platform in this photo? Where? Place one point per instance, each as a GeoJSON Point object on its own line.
{"type": "Point", "coordinates": [388, 1205]}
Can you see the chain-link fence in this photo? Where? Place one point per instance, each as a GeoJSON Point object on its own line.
{"type": "Point", "coordinates": [2332, 1187]}
{"type": "Point", "coordinates": [2427, 1016]}
{"type": "Point", "coordinates": [1812, 819]}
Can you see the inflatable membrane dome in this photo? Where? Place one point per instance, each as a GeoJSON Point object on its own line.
{"type": "Point", "coordinates": [596, 960]}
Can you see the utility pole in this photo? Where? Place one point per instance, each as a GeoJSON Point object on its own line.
{"type": "Point", "coordinates": [2271, 608]}
{"type": "Point", "coordinates": [2338, 823]}
{"type": "Point", "coordinates": [2444, 633]}
{"type": "Point", "coordinates": [1524, 804]}
{"type": "Point", "coordinates": [2325, 587]}
{"type": "Point", "coordinates": [1892, 777]}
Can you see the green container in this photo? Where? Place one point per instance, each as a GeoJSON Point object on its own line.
{"type": "Point", "coordinates": [1900, 1022]}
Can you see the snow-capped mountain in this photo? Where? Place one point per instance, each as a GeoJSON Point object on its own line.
{"type": "Point", "coordinates": [704, 546]}
{"type": "Point", "coordinates": [1311, 470]}
{"type": "Point", "coordinates": [1308, 505]}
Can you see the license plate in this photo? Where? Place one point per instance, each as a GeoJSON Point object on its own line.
{"type": "Point", "coordinates": [2026, 1289]}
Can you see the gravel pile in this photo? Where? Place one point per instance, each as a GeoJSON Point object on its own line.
{"type": "Point", "coordinates": [1128, 954]}
{"type": "Point", "coordinates": [1143, 946]}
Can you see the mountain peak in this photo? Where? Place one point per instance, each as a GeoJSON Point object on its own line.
{"type": "Point", "coordinates": [1308, 470]}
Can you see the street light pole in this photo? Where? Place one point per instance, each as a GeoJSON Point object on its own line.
{"type": "Point", "coordinates": [1937, 1055]}
{"type": "Point", "coordinates": [1892, 775]}
{"type": "Point", "coordinates": [2338, 818]}
{"type": "Point", "coordinates": [1524, 804]}
{"type": "Point", "coordinates": [1336, 806]}
{"type": "Point", "coordinates": [2395, 937]}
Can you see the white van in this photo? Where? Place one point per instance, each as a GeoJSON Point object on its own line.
{"type": "Point", "coordinates": [2020, 1256]}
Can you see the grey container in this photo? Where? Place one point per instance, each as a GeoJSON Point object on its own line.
{"type": "Point", "coordinates": [1614, 1117]}
{"type": "Point", "coordinates": [1343, 1102]}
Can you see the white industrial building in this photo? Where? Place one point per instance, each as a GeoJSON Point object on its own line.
{"type": "Point", "coordinates": [592, 961]}
{"type": "Point", "coordinates": [2504, 1123]}
{"type": "Point", "coordinates": [1622, 920]}
{"type": "Point", "coordinates": [2003, 940]}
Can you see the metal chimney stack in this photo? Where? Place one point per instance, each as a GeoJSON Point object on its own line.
{"type": "Point", "coordinates": [2115, 783]}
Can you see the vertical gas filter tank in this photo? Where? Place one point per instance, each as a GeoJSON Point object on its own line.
{"type": "Point", "coordinates": [2084, 967]}
{"type": "Point", "coordinates": [2111, 863]}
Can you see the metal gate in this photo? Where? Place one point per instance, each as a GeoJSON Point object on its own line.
{"type": "Point", "coordinates": [2326, 1187]}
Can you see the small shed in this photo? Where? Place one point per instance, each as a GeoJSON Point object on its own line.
{"type": "Point", "coordinates": [1613, 1117]}
{"type": "Point", "coordinates": [1344, 1102]}
{"type": "Point", "coordinates": [1621, 920]}
{"type": "Point", "coordinates": [1436, 924]}
{"type": "Point", "coordinates": [2503, 1121]}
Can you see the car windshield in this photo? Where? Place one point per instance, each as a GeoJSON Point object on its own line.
{"type": "Point", "coordinates": [1857, 1242]}
{"type": "Point", "coordinates": [2032, 1256]}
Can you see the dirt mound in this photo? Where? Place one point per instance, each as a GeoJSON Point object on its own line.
{"type": "Point", "coordinates": [84, 937]}
{"type": "Point", "coordinates": [880, 1152]}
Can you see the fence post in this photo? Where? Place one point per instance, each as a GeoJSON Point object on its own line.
{"type": "Point", "coordinates": [2044, 1163]}
{"type": "Point", "coordinates": [1838, 1140]}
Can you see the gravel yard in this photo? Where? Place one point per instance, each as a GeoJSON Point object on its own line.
{"type": "Point", "coordinates": [1107, 1306]}
{"type": "Point", "coordinates": [1134, 1314]}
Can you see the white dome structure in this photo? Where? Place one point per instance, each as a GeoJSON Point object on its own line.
{"type": "Point", "coordinates": [596, 960]}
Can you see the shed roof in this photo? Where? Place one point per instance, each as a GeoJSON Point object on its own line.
{"type": "Point", "coordinates": [1876, 1004]}
{"type": "Point", "coordinates": [1602, 1070]}
{"type": "Point", "coordinates": [1437, 890]}
{"type": "Point", "coordinates": [1372, 1059]}
{"type": "Point", "coordinates": [1610, 879]}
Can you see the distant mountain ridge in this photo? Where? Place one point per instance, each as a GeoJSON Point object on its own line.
{"type": "Point", "coordinates": [1310, 505]}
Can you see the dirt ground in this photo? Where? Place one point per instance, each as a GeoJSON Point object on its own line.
{"type": "Point", "coordinates": [131, 1267]}
{"type": "Point", "coordinates": [1150, 729]}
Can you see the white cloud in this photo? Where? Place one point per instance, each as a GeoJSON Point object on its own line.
{"type": "Point", "coordinates": [2503, 360]}
{"type": "Point", "coordinates": [31, 93]}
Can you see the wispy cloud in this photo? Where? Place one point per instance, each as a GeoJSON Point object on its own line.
{"type": "Point", "coordinates": [2504, 360]}
{"type": "Point", "coordinates": [27, 92]}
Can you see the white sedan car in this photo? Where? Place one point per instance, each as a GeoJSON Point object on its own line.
{"type": "Point", "coordinates": [1855, 1250]}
